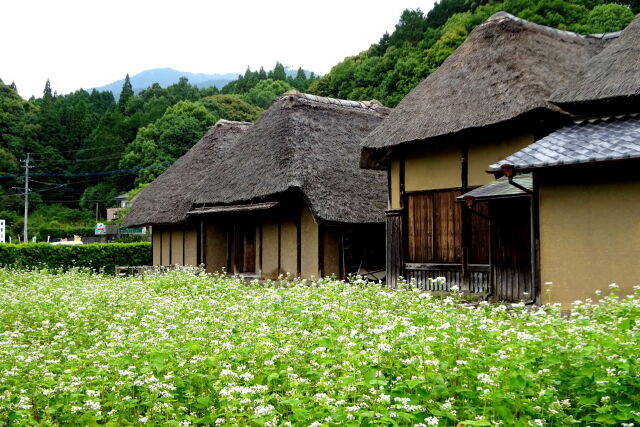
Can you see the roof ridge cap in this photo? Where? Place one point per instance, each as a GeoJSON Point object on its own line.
{"type": "Point", "coordinates": [370, 105]}
{"type": "Point", "coordinates": [503, 16]}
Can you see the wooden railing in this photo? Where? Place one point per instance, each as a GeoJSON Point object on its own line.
{"type": "Point", "coordinates": [420, 273]}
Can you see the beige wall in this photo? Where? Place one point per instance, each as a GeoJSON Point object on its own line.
{"type": "Point", "coordinates": [166, 246]}
{"type": "Point", "coordinates": [309, 243]}
{"type": "Point", "coordinates": [486, 153]}
{"type": "Point", "coordinates": [437, 166]}
{"type": "Point", "coordinates": [589, 238]}
{"type": "Point", "coordinates": [270, 249]}
{"type": "Point", "coordinates": [216, 247]}
{"type": "Point", "coordinates": [176, 246]}
{"type": "Point", "coordinates": [395, 184]}
{"type": "Point", "coordinates": [331, 252]}
{"type": "Point", "coordinates": [432, 167]}
{"type": "Point", "coordinates": [289, 247]}
{"type": "Point", "coordinates": [191, 246]}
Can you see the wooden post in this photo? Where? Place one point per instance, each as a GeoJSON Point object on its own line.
{"type": "Point", "coordinates": [299, 243]}
{"type": "Point", "coordinates": [395, 243]}
{"type": "Point", "coordinates": [466, 219]}
{"type": "Point", "coordinates": [320, 250]}
{"type": "Point", "coordinates": [279, 244]}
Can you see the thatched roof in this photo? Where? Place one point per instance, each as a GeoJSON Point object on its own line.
{"type": "Point", "coordinates": [167, 199]}
{"type": "Point", "coordinates": [505, 70]}
{"type": "Point", "coordinates": [303, 143]}
{"type": "Point", "coordinates": [306, 144]}
{"type": "Point", "coordinates": [608, 82]}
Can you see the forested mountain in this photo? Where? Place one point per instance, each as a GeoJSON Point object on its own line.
{"type": "Point", "coordinates": [389, 69]}
{"type": "Point", "coordinates": [85, 148]}
{"type": "Point", "coordinates": [168, 76]}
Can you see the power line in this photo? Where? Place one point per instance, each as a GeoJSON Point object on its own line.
{"type": "Point", "coordinates": [85, 174]}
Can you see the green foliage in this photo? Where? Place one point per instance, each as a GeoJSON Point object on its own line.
{"type": "Point", "coordinates": [201, 350]}
{"type": "Point", "coordinates": [102, 193]}
{"type": "Point", "coordinates": [96, 256]}
{"type": "Point", "coordinates": [266, 91]}
{"type": "Point", "coordinates": [57, 221]}
{"type": "Point", "coordinates": [168, 138]}
{"type": "Point", "coordinates": [231, 107]}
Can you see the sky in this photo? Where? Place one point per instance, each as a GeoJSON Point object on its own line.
{"type": "Point", "coordinates": [89, 43]}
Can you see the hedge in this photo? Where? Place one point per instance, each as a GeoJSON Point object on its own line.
{"type": "Point", "coordinates": [96, 256]}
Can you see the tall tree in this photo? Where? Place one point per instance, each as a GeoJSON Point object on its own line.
{"type": "Point", "coordinates": [278, 72]}
{"type": "Point", "coordinates": [125, 94]}
{"type": "Point", "coordinates": [47, 96]}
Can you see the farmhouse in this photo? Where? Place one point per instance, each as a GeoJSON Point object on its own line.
{"type": "Point", "coordinates": [284, 195]}
{"type": "Point", "coordinates": [489, 99]}
{"type": "Point", "coordinates": [584, 179]}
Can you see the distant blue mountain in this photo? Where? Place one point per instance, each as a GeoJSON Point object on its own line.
{"type": "Point", "coordinates": [166, 77]}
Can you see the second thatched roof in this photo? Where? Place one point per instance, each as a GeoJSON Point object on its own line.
{"type": "Point", "coordinates": [307, 144]}
{"type": "Point", "coordinates": [303, 143]}
{"type": "Point", "coordinates": [505, 70]}
{"type": "Point", "coordinates": [168, 199]}
{"type": "Point", "coordinates": [610, 81]}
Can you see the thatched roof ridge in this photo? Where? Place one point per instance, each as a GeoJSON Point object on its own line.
{"type": "Point", "coordinates": [167, 199]}
{"type": "Point", "coordinates": [310, 145]}
{"type": "Point", "coordinates": [506, 69]}
{"type": "Point", "coordinates": [608, 79]}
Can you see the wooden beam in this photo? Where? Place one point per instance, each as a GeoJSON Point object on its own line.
{"type": "Point", "coordinates": [261, 245]}
{"type": "Point", "coordinates": [171, 246]}
{"type": "Point", "coordinates": [466, 217]}
{"type": "Point", "coordinates": [184, 258]}
{"type": "Point", "coordinates": [320, 250]}
{"type": "Point", "coordinates": [279, 244]}
{"type": "Point", "coordinates": [299, 243]}
{"type": "Point", "coordinates": [230, 236]}
{"type": "Point", "coordinates": [389, 187]}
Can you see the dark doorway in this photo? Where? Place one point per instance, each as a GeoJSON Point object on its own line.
{"type": "Point", "coordinates": [512, 249]}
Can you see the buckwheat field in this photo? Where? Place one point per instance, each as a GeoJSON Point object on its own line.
{"type": "Point", "coordinates": [179, 349]}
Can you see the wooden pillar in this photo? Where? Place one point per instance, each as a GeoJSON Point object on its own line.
{"type": "Point", "coordinates": [466, 219]}
{"type": "Point", "coordinates": [395, 243]}
{"type": "Point", "coordinates": [299, 243]}
{"type": "Point", "coordinates": [320, 251]}
{"type": "Point", "coordinates": [279, 244]}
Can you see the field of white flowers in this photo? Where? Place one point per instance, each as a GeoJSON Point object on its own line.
{"type": "Point", "coordinates": [179, 349]}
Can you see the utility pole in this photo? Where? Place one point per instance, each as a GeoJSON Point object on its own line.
{"type": "Point", "coordinates": [26, 198]}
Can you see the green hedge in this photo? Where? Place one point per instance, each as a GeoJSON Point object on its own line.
{"type": "Point", "coordinates": [96, 256]}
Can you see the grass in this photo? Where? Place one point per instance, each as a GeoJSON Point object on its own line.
{"type": "Point", "coordinates": [179, 349]}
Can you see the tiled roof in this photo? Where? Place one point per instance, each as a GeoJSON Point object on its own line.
{"type": "Point", "coordinates": [500, 188]}
{"type": "Point", "coordinates": [590, 141]}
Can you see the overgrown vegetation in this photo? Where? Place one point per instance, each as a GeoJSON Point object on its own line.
{"type": "Point", "coordinates": [179, 349]}
{"type": "Point", "coordinates": [389, 69]}
{"type": "Point", "coordinates": [97, 257]}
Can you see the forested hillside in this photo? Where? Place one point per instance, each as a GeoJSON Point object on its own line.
{"type": "Point", "coordinates": [389, 69]}
{"type": "Point", "coordinates": [85, 148]}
